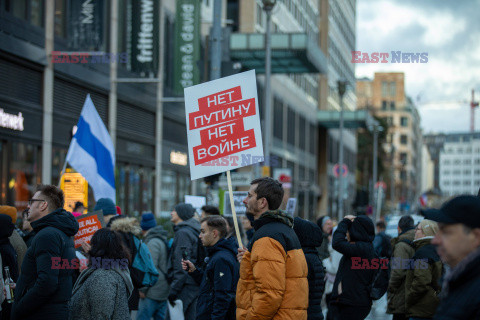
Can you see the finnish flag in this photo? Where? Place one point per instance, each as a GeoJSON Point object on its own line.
{"type": "Point", "coordinates": [91, 152]}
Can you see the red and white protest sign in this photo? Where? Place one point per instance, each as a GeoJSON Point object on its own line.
{"type": "Point", "coordinates": [223, 120]}
{"type": "Point", "coordinates": [88, 224]}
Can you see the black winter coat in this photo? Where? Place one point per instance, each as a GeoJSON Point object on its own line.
{"type": "Point", "coordinates": [355, 283]}
{"type": "Point", "coordinates": [42, 291]}
{"type": "Point", "coordinates": [218, 282]}
{"type": "Point", "coordinates": [461, 299]}
{"type": "Point", "coordinates": [9, 256]}
{"type": "Point", "coordinates": [310, 236]}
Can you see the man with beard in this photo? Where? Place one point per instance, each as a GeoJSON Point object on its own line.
{"type": "Point", "coordinates": [43, 291]}
{"type": "Point", "coordinates": [273, 270]}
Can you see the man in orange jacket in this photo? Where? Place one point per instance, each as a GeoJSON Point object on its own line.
{"type": "Point", "coordinates": [273, 270]}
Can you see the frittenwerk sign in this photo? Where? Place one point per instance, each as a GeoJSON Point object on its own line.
{"type": "Point", "coordinates": [187, 44]}
{"type": "Point", "coordinates": [86, 24]}
{"type": "Point", "coordinates": [143, 46]}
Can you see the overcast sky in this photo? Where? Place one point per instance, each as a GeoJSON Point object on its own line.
{"type": "Point", "coordinates": [450, 32]}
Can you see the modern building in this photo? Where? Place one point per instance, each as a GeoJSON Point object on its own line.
{"type": "Point", "coordinates": [386, 98]}
{"type": "Point", "coordinates": [297, 62]}
{"type": "Point", "coordinates": [459, 164]}
{"type": "Point", "coordinates": [337, 40]}
{"type": "Point", "coordinates": [47, 98]}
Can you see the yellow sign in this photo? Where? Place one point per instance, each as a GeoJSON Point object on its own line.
{"type": "Point", "coordinates": [265, 171]}
{"type": "Point", "coordinates": [75, 188]}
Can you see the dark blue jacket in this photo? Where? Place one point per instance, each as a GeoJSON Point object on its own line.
{"type": "Point", "coordinates": [356, 283]}
{"type": "Point", "coordinates": [310, 237]}
{"type": "Point", "coordinates": [218, 282]}
{"type": "Point", "coordinates": [461, 299]}
{"type": "Point", "coordinates": [43, 291]}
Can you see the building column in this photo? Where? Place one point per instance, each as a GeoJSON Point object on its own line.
{"type": "Point", "coordinates": [48, 94]}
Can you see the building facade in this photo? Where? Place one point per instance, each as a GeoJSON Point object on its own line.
{"type": "Point", "coordinates": [386, 98]}
{"type": "Point", "coordinates": [459, 164]}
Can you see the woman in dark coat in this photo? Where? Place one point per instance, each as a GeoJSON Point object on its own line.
{"type": "Point", "coordinates": [351, 290]}
{"type": "Point", "coordinates": [310, 236]}
{"type": "Point", "coordinates": [9, 257]}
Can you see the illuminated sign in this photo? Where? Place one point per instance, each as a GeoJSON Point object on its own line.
{"type": "Point", "coordinates": [177, 157]}
{"type": "Point", "coordinates": [75, 188]}
{"type": "Point", "coordinates": [11, 121]}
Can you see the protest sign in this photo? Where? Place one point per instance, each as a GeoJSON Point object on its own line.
{"type": "Point", "coordinates": [196, 202]}
{"type": "Point", "coordinates": [88, 225]}
{"type": "Point", "coordinates": [291, 204]}
{"type": "Point", "coordinates": [223, 125]}
{"type": "Point", "coordinates": [238, 197]}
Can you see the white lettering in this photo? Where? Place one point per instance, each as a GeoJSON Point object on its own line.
{"type": "Point", "coordinates": [11, 121]}
{"type": "Point", "coordinates": [145, 36]}
{"type": "Point", "coordinates": [87, 11]}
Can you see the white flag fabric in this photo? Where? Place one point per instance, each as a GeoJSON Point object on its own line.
{"type": "Point", "coordinates": [91, 152]}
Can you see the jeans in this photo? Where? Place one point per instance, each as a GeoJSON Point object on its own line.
{"type": "Point", "coordinates": [148, 308]}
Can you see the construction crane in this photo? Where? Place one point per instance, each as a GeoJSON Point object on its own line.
{"type": "Point", "coordinates": [473, 105]}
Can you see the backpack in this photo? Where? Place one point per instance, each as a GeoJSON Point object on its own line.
{"type": "Point", "coordinates": [380, 281]}
{"type": "Point", "coordinates": [143, 271]}
{"type": "Point", "coordinates": [386, 246]}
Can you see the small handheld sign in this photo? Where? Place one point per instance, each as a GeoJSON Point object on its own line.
{"type": "Point", "coordinates": [223, 128]}
{"type": "Point", "coordinates": [88, 225]}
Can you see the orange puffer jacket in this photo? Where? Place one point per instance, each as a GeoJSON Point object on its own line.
{"type": "Point", "coordinates": [273, 273]}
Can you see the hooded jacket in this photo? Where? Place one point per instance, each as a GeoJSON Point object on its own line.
{"type": "Point", "coordinates": [156, 241]}
{"type": "Point", "coordinates": [101, 294]}
{"type": "Point", "coordinates": [273, 273]}
{"type": "Point", "coordinates": [310, 237]}
{"type": "Point", "coordinates": [353, 285]}
{"type": "Point", "coordinates": [422, 283]}
{"type": "Point", "coordinates": [218, 282]}
{"type": "Point", "coordinates": [402, 249]}
{"type": "Point", "coordinates": [185, 239]}
{"type": "Point", "coordinates": [460, 298]}
{"type": "Point", "coordinates": [42, 291]}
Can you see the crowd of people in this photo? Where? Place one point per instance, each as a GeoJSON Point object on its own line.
{"type": "Point", "coordinates": [285, 268]}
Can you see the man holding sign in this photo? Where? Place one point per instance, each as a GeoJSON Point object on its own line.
{"type": "Point", "coordinates": [273, 271]}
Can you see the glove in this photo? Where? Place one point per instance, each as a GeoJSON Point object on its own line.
{"type": "Point", "coordinates": [171, 299]}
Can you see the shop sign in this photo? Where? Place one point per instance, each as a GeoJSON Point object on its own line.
{"type": "Point", "coordinates": [143, 40]}
{"type": "Point", "coordinates": [187, 45]}
{"type": "Point", "coordinates": [177, 157]}
{"type": "Point", "coordinates": [11, 121]}
{"type": "Point", "coordinates": [86, 24]}
{"type": "Point", "coordinates": [222, 120]}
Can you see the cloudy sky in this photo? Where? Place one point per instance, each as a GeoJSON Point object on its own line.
{"type": "Point", "coordinates": [450, 32]}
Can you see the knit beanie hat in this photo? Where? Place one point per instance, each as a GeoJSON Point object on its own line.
{"type": "Point", "coordinates": [185, 211]}
{"type": "Point", "coordinates": [429, 227]}
{"type": "Point", "coordinates": [106, 205]}
{"type": "Point", "coordinates": [148, 221]}
{"type": "Point", "coordinates": [9, 211]}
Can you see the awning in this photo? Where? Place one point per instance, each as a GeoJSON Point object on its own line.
{"type": "Point", "coordinates": [351, 119]}
{"type": "Point", "coordinates": [291, 53]}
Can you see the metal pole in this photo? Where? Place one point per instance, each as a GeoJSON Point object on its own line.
{"type": "Point", "coordinates": [268, 92]}
{"type": "Point", "coordinates": [159, 115]}
{"type": "Point", "coordinates": [216, 53]}
{"type": "Point", "coordinates": [341, 92]}
{"type": "Point", "coordinates": [112, 95]}
{"type": "Point", "coordinates": [375, 168]}
{"type": "Point", "coordinates": [48, 95]}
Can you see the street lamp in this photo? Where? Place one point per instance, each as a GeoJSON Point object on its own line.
{"type": "Point", "coordinates": [376, 129]}
{"type": "Point", "coordinates": [268, 6]}
{"type": "Point", "coordinates": [342, 87]}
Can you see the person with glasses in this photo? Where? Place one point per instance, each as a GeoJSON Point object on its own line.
{"type": "Point", "coordinates": [45, 286]}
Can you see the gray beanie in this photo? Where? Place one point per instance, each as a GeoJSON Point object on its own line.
{"type": "Point", "coordinates": [185, 211]}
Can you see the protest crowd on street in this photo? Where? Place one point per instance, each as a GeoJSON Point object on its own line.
{"type": "Point", "coordinates": [287, 267]}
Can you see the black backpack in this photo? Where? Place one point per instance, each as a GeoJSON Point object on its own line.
{"type": "Point", "coordinates": [380, 282]}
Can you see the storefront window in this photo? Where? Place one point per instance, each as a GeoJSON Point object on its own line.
{"type": "Point", "coordinates": [58, 160]}
{"type": "Point", "coordinates": [134, 192]}
{"type": "Point", "coordinates": [169, 188]}
{"type": "Point", "coordinates": [23, 174]}
{"type": "Point", "coordinates": [134, 189]}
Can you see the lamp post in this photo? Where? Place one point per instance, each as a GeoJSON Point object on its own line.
{"type": "Point", "coordinates": [376, 129]}
{"type": "Point", "coordinates": [267, 7]}
{"type": "Point", "coordinates": [342, 86]}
